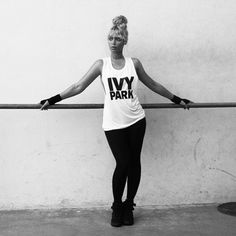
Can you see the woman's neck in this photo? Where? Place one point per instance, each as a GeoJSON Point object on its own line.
{"type": "Point", "coordinates": [117, 56]}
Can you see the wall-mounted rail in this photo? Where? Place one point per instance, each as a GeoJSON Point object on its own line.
{"type": "Point", "coordinates": [99, 106]}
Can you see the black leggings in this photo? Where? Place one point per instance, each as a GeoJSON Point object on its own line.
{"type": "Point", "coordinates": [126, 146]}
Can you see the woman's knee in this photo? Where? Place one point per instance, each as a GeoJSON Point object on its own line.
{"type": "Point", "coordinates": [122, 166]}
{"type": "Point", "coordinates": [135, 163]}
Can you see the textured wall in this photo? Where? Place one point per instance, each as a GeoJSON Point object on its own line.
{"type": "Point", "coordinates": [60, 158]}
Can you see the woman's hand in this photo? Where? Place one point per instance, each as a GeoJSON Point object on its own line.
{"type": "Point", "coordinates": [45, 104]}
{"type": "Point", "coordinates": [181, 101]}
{"type": "Point", "coordinates": [184, 102]}
{"type": "Point", "coordinates": [50, 101]}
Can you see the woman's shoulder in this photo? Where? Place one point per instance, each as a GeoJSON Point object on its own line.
{"type": "Point", "coordinates": [98, 63]}
{"type": "Point", "coordinates": [136, 62]}
{"type": "Point", "coordinates": [103, 60]}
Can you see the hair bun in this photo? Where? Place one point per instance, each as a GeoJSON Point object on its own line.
{"type": "Point", "coordinates": [120, 21]}
{"type": "Point", "coordinates": [120, 27]}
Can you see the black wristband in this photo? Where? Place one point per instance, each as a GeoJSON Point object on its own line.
{"type": "Point", "coordinates": [176, 100]}
{"type": "Point", "coordinates": [52, 100]}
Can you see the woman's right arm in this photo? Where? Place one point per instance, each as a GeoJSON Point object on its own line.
{"type": "Point", "coordinates": [81, 85]}
{"type": "Point", "coordinates": [84, 82]}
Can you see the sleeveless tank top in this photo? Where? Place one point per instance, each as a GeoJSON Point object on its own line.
{"type": "Point", "coordinates": [121, 104]}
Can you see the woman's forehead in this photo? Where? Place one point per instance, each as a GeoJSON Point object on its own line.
{"type": "Point", "coordinates": [114, 33]}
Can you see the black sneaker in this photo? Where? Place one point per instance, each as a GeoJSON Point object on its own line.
{"type": "Point", "coordinates": [128, 217]}
{"type": "Point", "coordinates": [117, 213]}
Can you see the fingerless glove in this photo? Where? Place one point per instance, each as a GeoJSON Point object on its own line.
{"type": "Point", "coordinates": [177, 100]}
{"type": "Point", "coordinates": [52, 100]}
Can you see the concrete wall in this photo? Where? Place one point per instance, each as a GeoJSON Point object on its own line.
{"type": "Point", "coordinates": [60, 158]}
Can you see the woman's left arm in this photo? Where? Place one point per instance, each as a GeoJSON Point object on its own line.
{"type": "Point", "coordinates": [149, 82]}
{"type": "Point", "coordinates": [155, 86]}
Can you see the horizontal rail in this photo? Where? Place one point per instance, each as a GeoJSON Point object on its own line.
{"type": "Point", "coordinates": [99, 106]}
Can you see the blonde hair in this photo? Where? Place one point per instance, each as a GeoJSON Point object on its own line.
{"type": "Point", "coordinates": [120, 27]}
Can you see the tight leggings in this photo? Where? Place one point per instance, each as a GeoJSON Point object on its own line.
{"type": "Point", "coordinates": [126, 145]}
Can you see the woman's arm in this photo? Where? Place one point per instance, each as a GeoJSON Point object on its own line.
{"type": "Point", "coordinates": [78, 87]}
{"type": "Point", "coordinates": [149, 82]}
{"type": "Point", "coordinates": [84, 82]}
{"type": "Point", "coordinates": [156, 87]}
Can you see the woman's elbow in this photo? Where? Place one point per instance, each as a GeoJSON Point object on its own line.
{"type": "Point", "coordinates": [78, 88]}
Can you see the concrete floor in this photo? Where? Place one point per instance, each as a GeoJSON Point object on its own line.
{"type": "Point", "coordinates": [191, 221]}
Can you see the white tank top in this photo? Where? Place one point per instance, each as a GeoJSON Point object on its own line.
{"type": "Point", "coordinates": [121, 105]}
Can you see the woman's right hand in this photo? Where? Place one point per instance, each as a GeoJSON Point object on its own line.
{"type": "Point", "coordinates": [45, 104]}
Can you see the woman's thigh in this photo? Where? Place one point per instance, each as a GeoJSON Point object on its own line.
{"type": "Point", "coordinates": [118, 141]}
{"type": "Point", "coordinates": [136, 136]}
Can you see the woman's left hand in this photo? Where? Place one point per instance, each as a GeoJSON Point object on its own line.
{"type": "Point", "coordinates": [184, 102]}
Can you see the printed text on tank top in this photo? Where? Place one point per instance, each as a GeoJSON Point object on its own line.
{"type": "Point", "coordinates": [118, 84]}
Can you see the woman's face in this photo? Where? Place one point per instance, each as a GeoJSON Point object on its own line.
{"type": "Point", "coordinates": [115, 42]}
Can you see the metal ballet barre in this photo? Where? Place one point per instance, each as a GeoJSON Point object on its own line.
{"type": "Point", "coordinates": [99, 106]}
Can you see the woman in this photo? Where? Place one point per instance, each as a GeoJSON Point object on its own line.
{"type": "Point", "coordinates": [123, 117]}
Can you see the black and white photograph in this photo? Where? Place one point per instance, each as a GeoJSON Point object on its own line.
{"type": "Point", "coordinates": [117, 117]}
